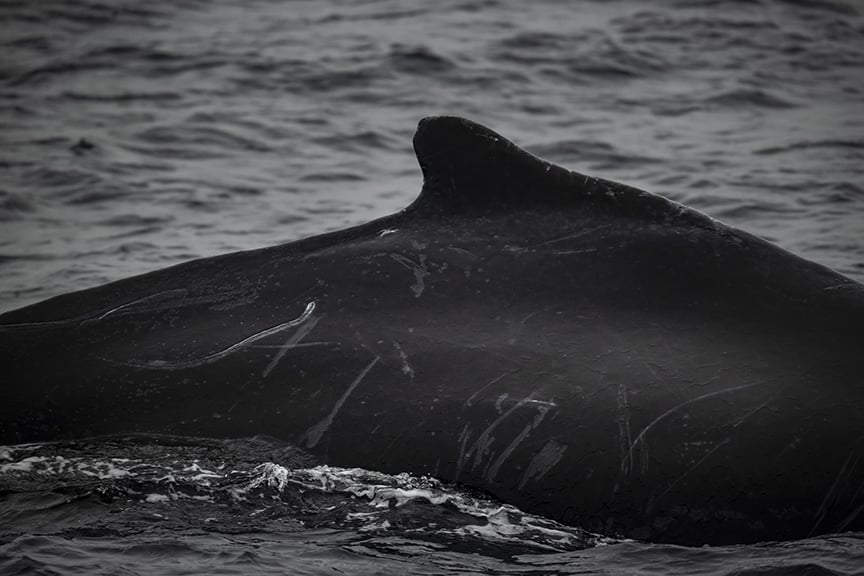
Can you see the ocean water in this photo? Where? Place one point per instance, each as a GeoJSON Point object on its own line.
{"type": "Point", "coordinates": [138, 135]}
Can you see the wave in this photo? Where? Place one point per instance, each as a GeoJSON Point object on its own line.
{"type": "Point", "coordinates": [257, 484]}
{"type": "Point", "coordinates": [808, 145]}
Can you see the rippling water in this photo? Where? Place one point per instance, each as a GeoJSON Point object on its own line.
{"type": "Point", "coordinates": [160, 505]}
{"type": "Point", "coordinates": [140, 135]}
{"type": "Point", "coordinates": [137, 135]}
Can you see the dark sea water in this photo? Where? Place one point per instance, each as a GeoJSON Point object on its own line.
{"type": "Point", "coordinates": [136, 135]}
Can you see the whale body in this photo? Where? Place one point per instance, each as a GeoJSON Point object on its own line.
{"type": "Point", "coordinates": [574, 346]}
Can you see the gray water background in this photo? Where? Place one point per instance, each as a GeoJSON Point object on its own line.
{"type": "Point", "coordinates": [135, 135]}
{"type": "Point", "coordinates": [138, 135]}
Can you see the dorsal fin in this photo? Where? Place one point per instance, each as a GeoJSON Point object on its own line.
{"type": "Point", "coordinates": [469, 168]}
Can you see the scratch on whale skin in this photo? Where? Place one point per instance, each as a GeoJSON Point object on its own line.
{"type": "Point", "coordinates": [543, 462]}
{"type": "Point", "coordinates": [484, 440]}
{"type": "Point", "coordinates": [849, 465]}
{"type": "Point", "coordinates": [640, 438]}
{"type": "Point", "coordinates": [420, 272]}
{"type": "Point", "coordinates": [158, 296]}
{"type": "Point", "coordinates": [567, 252]}
{"type": "Point", "coordinates": [492, 472]}
{"type": "Point", "coordinates": [290, 344]}
{"type": "Point", "coordinates": [625, 438]}
{"type": "Point", "coordinates": [462, 251]}
{"type": "Point", "coordinates": [463, 442]}
{"type": "Point", "coordinates": [168, 365]}
{"type": "Point", "coordinates": [406, 367]}
{"type": "Point", "coordinates": [313, 435]}
{"type": "Point", "coordinates": [95, 317]}
{"type": "Point", "coordinates": [573, 236]}
{"type": "Point", "coordinates": [487, 385]}
{"type": "Point", "coordinates": [224, 300]}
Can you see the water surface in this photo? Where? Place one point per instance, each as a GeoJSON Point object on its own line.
{"type": "Point", "coordinates": [138, 135]}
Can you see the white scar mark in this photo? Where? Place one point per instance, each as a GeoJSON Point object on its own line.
{"type": "Point", "coordinates": [547, 403]}
{"type": "Point", "coordinates": [41, 323]}
{"type": "Point", "coordinates": [625, 438]}
{"type": "Point", "coordinates": [584, 251]}
{"type": "Point", "coordinates": [290, 344]}
{"type": "Point", "coordinates": [157, 296]}
{"type": "Point", "coordinates": [757, 409]}
{"type": "Point", "coordinates": [84, 319]}
{"type": "Point", "coordinates": [839, 285]}
{"type": "Point", "coordinates": [487, 385]}
{"type": "Point", "coordinates": [313, 435]}
{"type": "Point", "coordinates": [493, 469]}
{"type": "Point", "coordinates": [574, 236]}
{"type": "Point", "coordinates": [828, 501]}
{"type": "Point", "coordinates": [640, 437]}
{"type": "Point", "coordinates": [387, 232]}
{"type": "Point", "coordinates": [406, 367]}
{"type": "Point", "coordinates": [543, 462]}
{"type": "Point", "coordinates": [420, 271]}
{"type": "Point", "coordinates": [485, 439]}
{"type": "Point", "coordinates": [315, 344]}
{"type": "Point", "coordinates": [166, 365]}
{"type": "Point", "coordinates": [462, 251]}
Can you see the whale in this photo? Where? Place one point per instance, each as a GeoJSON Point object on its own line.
{"type": "Point", "coordinates": [573, 346]}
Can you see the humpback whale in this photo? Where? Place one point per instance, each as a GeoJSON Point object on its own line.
{"type": "Point", "coordinates": [576, 347]}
